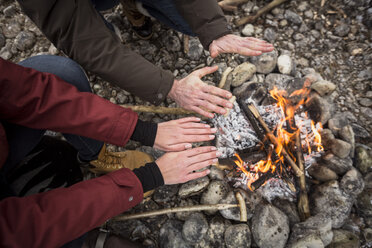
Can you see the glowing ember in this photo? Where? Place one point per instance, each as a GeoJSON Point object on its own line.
{"type": "Point", "coordinates": [285, 133]}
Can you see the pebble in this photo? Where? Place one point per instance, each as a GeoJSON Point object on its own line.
{"type": "Point", "coordinates": [11, 29]}
{"type": "Point", "coordinates": [323, 87]}
{"type": "Point", "coordinates": [266, 62]}
{"type": "Point", "coordinates": [10, 11]}
{"type": "Point", "coordinates": [270, 35]}
{"type": "Point", "coordinates": [292, 17]}
{"type": "Point", "coordinates": [322, 173]}
{"type": "Point", "coordinates": [195, 228]}
{"type": "Point", "coordinates": [342, 29]}
{"type": "Point", "coordinates": [366, 102]}
{"type": "Point", "coordinates": [195, 49]}
{"type": "Point", "coordinates": [170, 235]}
{"type": "Point", "coordinates": [193, 187]}
{"type": "Point", "coordinates": [340, 148]}
{"type": "Point", "coordinates": [24, 40]}
{"type": "Point", "coordinates": [285, 64]}
{"type": "Point", "coordinates": [248, 30]}
{"type": "Point", "coordinates": [241, 74]}
{"type": "Point", "coordinates": [216, 191]}
{"type": "Point", "coordinates": [238, 236]}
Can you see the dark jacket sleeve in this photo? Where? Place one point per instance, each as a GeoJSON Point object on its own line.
{"type": "Point", "coordinates": [56, 217]}
{"type": "Point", "coordinates": [79, 31]}
{"type": "Point", "coordinates": [205, 18]}
{"type": "Point", "coordinates": [44, 101]}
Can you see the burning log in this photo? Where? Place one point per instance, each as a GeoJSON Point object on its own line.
{"type": "Point", "coordinates": [253, 18]}
{"type": "Point", "coordinates": [273, 140]}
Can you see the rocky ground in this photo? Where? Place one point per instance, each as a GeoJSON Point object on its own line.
{"type": "Point", "coordinates": [334, 40]}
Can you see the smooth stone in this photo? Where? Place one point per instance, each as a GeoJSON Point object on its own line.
{"type": "Point", "coordinates": [342, 29]}
{"type": "Point", "coordinates": [266, 62]}
{"type": "Point", "coordinates": [242, 73]}
{"type": "Point", "coordinates": [248, 30]}
{"type": "Point", "coordinates": [185, 214]}
{"type": "Point", "coordinates": [366, 102]}
{"type": "Point", "coordinates": [216, 191]}
{"type": "Point", "coordinates": [195, 49]}
{"type": "Point", "coordinates": [327, 137]}
{"type": "Point", "coordinates": [289, 208]}
{"type": "Point", "coordinates": [216, 173]}
{"type": "Point", "coordinates": [340, 148]}
{"type": "Point", "coordinates": [216, 230]}
{"type": "Point", "coordinates": [314, 229]}
{"type": "Point", "coordinates": [363, 159]}
{"type": "Point", "coordinates": [238, 236]}
{"type": "Point", "coordinates": [336, 164]}
{"type": "Point", "coordinates": [171, 42]}
{"type": "Point", "coordinates": [329, 199]}
{"type": "Point", "coordinates": [319, 109]}
{"type": "Point", "coordinates": [170, 235]}
{"type": "Point", "coordinates": [337, 122]}
{"type": "Point", "coordinates": [194, 228]}
{"type": "Point", "coordinates": [11, 29]}
{"type": "Point", "coordinates": [281, 81]}
{"type": "Point", "coordinates": [352, 183]}
{"type": "Point", "coordinates": [285, 64]}
{"type": "Point", "coordinates": [193, 187]}
{"type": "Point", "coordinates": [270, 35]}
{"type": "Point", "coordinates": [270, 227]}
{"type": "Point", "coordinates": [347, 134]}
{"type": "Point", "coordinates": [322, 173]}
{"type": "Point", "coordinates": [343, 239]}
{"type": "Point", "coordinates": [24, 40]}
{"type": "Point", "coordinates": [323, 87]}
{"type": "Point", "coordinates": [364, 202]}
{"type": "Point", "coordinates": [293, 17]}
{"type": "Point", "coordinates": [2, 40]}
{"type": "Point", "coordinates": [165, 193]}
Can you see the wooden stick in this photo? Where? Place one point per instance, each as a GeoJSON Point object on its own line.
{"type": "Point", "coordinates": [186, 40]}
{"type": "Point", "coordinates": [242, 206]}
{"type": "Point", "coordinates": [253, 18]}
{"type": "Point", "coordinates": [159, 110]}
{"type": "Point", "coordinates": [175, 210]}
{"type": "Point", "coordinates": [224, 77]}
{"type": "Point", "coordinates": [232, 100]}
{"type": "Point", "coordinates": [231, 5]}
{"type": "Point", "coordinates": [322, 3]}
{"type": "Point", "coordinates": [303, 202]}
{"type": "Point", "coordinates": [273, 140]}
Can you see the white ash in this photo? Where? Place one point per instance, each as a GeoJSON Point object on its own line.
{"type": "Point", "coordinates": [236, 133]}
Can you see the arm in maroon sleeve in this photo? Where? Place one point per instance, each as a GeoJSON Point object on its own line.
{"type": "Point", "coordinates": [56, 217]}
{"type": "Point", "coordinates": [44, 101]}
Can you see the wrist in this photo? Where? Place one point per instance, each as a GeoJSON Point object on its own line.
{"type": "Point", "coordinates": [172, 93]}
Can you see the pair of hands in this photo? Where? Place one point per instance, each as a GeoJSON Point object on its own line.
{"type": "Point", "coordinates": [179, 165]}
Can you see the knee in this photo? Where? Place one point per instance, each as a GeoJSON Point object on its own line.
{"type": "Point", "coordinates": [65, 68]}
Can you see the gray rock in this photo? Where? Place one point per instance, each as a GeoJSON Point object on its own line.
{"type": "Point", "coordinates": [340, 148]}
{"type": "Point", "coordinates": [314, 229]}
{"type": "Point", "coordinates": [194, 228]}
{"type": "Point", "coordinates": [292, 17]}
{"type": "Point", "coordinates": [242, 73]}
{"type": "Point", "coordinates": [121, 98]}
{"type": "Point", "coordinates": [238, 236]}
{"type": "Point", "coordinates": [279, 80]}
{"type": "Point", "coordinates": [367, 233]}
{"type": "Point", "coordinates": [337, 122]}
{"type": "Point", "coordinates": [5, 53]}
{"type": "Point", "coordinates": [366, 102]}
{"type": "Point", "coordinates": [215, 234]}
{"type": "Point", "coordinates": [343, 238]}
{"type": "Point", "coordinates": [216, 191]}
{"type": "Point", "coordinates": [329, 199]}
{"type": "Point", "coordinates": [24, 40]}
{"type": "Point", "coordinates": [363, 159]}
{"type": "Point", "coordinates": [11, 29]}
{"type": "Point", "coordinates": [185, 202]}
{"type": "Point", "coordinates": [318, 109]}
{"type": "Point", "coordinates": [327, 137]}
{"type": "Point", "coordinates": [10, 11]}
{"type": "Point", "coordinates": [193, 187]}
{"type": "Point", "coordinates": [248, 30]}
{"type": "Point", "coordinates": [2, 40]}
{"type": "Point", "coordinates": [322, 173]}
{"type": "Point", "coordinates": [270, 35]}
{"type": "Point", "coordinates": [171, 235]}
{"type": "Point", "coordinates": [336, 164]}
{"type": "Point", "coordinates": [352, 183]}
{"type": "Point", "coordinates": [266, 62]}
{"type": "Point", "coordinates": [165, 193]}
{"type": "Point", "coordinates": [347, 134]}
{"type": "Point", "coordinates": [195, 49]}
{"type": "Point", "coordinates": [289, 208]}
{"type": "Point", "coordinates": [368, 181]}
{"type": "Point", "coordinates": [285, 64]}
{"type": "Point", "coordinates": [270, 227]}
{"type": "Point", "coordinates": [364, 202]}
{"type": "Point", "coordinates": [342, 29]}
{"type": "Point", "coordinates": [323, 87]}
{"type": "Point", "coordinates": [171, 42]}
{"type": "Point", "coordinates": [216, 173]}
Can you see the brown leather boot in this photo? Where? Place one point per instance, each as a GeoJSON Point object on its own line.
{"type": "Point", "coordinates": [141, 24]}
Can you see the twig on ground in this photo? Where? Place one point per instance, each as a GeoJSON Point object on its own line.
{"type": "Point", "coordinates": [231, 5]}
{"type": "Point", "coordinates": [224, 77]}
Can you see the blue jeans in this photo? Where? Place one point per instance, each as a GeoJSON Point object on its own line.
{"type": "Point", "coordinates": [164, 11]}
{"type": "Point", "coordinates": [22, 139]}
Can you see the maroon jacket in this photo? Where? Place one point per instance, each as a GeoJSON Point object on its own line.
{"type": "Point", "coordinates": [42, 100]}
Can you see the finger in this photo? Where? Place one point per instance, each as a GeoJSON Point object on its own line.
{"type": "Point", "coordinates": [201, 165]}
{"type": "Point", "coordinates": [202, 112]}
{"type": "Point", "coordinates": [199, 150]}
{"type": "Point", "coordinates": [257, 46]}
{"type": "Point", "coordinates": [179, 147]}
{"type": "Point", "coordinates": [199, 131]}
{"type": "Point", "coordinates": [216, 100]}
{"type": "Point", "coordinates": [203, 157]}
{"type": "Point", "coordinates": [196, 138]}
{"type": "Point", "coordinates": [196, 175]}
{"type": "Point", "coordinates": [205, 71]}
{"type": "Point", "coordinates": [188, 119]}
{"type": "Point", "coordinates": [211, 107]}
{"type": "Point", "coordinates": [216, 91]}
{"type": "Point", "coordinates": [258, 40]}
{"type": "Point", "coordinates": [189, 125]}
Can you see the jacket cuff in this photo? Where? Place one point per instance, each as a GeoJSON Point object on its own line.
{"type": "Point", "coordinates": [150, 176]}
{"type": "Point", "coordinates": [145, 132]}
{"type": "Point", "coordinates": [167, 79]}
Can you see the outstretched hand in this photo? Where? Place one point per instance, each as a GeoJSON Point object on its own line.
{"type": "Point", "coordinates": [180, 167]}
{"type": "Point", "coordinates": [247, 46]}
{"type": "Point", "coordinates": [177, 135]}
{"type": "Point", "coordinates": [193, 94]}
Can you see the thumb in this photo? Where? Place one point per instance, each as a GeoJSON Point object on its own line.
{"type": "Point", "coordinates": [213, 51]}
{"type": "Point", "coordinates": [205, 71]}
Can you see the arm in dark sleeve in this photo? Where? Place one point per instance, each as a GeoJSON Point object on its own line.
{"type": "Point", "coordinates": [79, 31]}
{"type": "Point", "coordinates": [54, 218]}
{"type": "Point", "coordinates": [205, 18]}
{"type": "Point", "coordinates": [44, 101]}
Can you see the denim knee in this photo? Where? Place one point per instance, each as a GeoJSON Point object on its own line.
{"type": "Point", "coordinates": [65, 68]}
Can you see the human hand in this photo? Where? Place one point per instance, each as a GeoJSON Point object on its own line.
{"type": "Point", "coordinates": [180, 167]}
{"type": "Point", "coordinates": [193, 94]}
{"type": "Point", "coordinates": [177, 135]}
{"type": "Point", "coordinates": [247, 46]}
